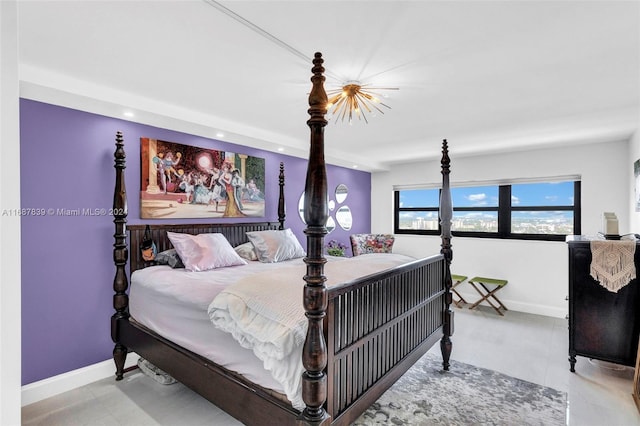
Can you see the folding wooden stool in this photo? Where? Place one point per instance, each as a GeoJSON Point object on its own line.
{"type": "Point", "coordinates": [480, 284]}
{"type": "Point", "coordinates": [456, 280]}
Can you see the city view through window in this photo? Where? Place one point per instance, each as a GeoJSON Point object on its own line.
{"type": "Point", "coordinates": [535, 208]}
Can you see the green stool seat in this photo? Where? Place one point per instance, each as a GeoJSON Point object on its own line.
{"type": "Point", "coordinates": [480, 284]}
{"type": "Point", "coordinates": [456, 280]}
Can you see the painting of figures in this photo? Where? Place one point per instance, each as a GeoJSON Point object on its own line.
{"type": "Point", "coordinates": [183, 181]}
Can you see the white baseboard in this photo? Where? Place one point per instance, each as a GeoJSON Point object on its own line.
{"type": "Point", "coordinates": [529, 308]}
{"type": "Point", "coordinates": [37, 391]}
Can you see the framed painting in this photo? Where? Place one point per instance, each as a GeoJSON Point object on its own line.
{"type": "Point", "coordinates": [183, 181]}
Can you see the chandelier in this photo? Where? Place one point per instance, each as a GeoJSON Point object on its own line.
{"type": "Point", "coordinates": [355, 99]}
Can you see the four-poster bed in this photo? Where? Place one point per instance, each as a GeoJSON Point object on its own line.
{"type": "Point", "coordinates": [361, 334]}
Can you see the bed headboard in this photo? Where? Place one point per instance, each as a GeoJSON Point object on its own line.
{"type": "Point", "coordinates": [234, 232]}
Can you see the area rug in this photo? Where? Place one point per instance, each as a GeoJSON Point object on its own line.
{"type": "Point", "coordinates": [464, 395]}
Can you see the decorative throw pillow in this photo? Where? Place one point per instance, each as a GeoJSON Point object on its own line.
{"type": "Point", "coordinates": [203, 252]}
{"type": "Point", "coordinates": [371, 243]}
{"type": "Point", "coordinates": [169, 257]}
{"type": "Point", "coordinates": [246, 251]}
{"type": "Point", "coordinates": [276, 246]}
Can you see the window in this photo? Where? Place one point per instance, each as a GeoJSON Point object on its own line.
{"type": "Point", "coordinates": [543, 208]}
{"type": "Point", "coordinates": [547, 210]}
{"type": "Point", "coordinates": [475, 209]}
{"type": "Point", "coordinates": [417, 209]}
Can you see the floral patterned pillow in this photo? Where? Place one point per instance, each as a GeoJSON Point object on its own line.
{"type": "Point", "coordinates": [371, 243]}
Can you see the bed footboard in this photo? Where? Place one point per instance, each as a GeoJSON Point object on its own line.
{"type": "Point", "coordinates": [377, 328]}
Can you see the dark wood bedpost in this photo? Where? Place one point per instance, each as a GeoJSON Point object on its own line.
{"type": "Point", "coordinates": [281, 209]}
{"type": "Point", "coordinates": [316, 212]}
{"type": "Point", "coordinates": [120, 256]}
{"type": "Point", "coordinates": [446, 213]}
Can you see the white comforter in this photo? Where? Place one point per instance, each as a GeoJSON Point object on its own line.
{"type": "Point", "coordinates": [265, 313]}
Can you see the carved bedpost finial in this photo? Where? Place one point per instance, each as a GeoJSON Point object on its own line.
{"type": "Point", "coordinates": [120, 193]}
{"type": "Point", "coordinates": [316, 209]}
{"type": "Point", "coordinates": [317, 97]}
{"type": "Point", "coordinates": [316, 212]}
{"type": "Point", "coordinates": [445, 161]}
{"type": "Point", "coordinates": [446, 214]}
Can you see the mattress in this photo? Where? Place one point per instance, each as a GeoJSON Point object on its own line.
{"type": "Point", "coordinates": [182, 307]}
{"type": "Point", "coordinates": [174, 303]}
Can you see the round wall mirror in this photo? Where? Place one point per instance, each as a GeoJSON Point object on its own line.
{"type": "Point", "coordinates": [341, 193]}
{"type": "Point", "coordinates": [301, 208]}
{"type": "Point", "coordinates": [344, 218]}
{"type": "Point", "coordinates": [331, 225]}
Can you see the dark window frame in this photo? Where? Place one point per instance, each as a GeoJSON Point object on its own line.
{"type": "Point", "coordinates": [504, 210]}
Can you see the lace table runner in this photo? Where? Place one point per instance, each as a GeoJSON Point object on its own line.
{"type": "Point", "coordinates": [612, 263]}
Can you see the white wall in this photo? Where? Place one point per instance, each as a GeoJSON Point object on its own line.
{"type": "Point", "coordinates": [9, 224]}
{"type": "Point", "coordinates": [634, 155]}
{"type": "Point", "coordinates": [537, 271]}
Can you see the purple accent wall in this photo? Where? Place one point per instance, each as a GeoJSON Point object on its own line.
{"type": "Point", "coordinates": [67, 268]}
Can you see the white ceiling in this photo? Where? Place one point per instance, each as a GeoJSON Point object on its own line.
{"type": "Point", "coordinates": [487, 75]}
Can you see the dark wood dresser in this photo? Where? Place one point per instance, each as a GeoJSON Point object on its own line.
{"type": "Point", "coordinates": [602, 325]}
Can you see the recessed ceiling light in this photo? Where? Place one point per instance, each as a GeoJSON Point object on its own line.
{"type": "Point", "coordinates": [220, 135]}
{"type": "Point", "coordinates": [355, 166]}
{"type": "Point", "coordinates": [128, 114]}
{"type": "Point", "coordinates": [281, 149]}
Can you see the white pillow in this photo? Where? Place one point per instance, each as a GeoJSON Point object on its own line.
{"type": "Point", "coordinates": [275, 246]}
{"type": "Point", "coordinates": [203, 252]}
{"type": "Point", "coordinates": [246, 251]}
